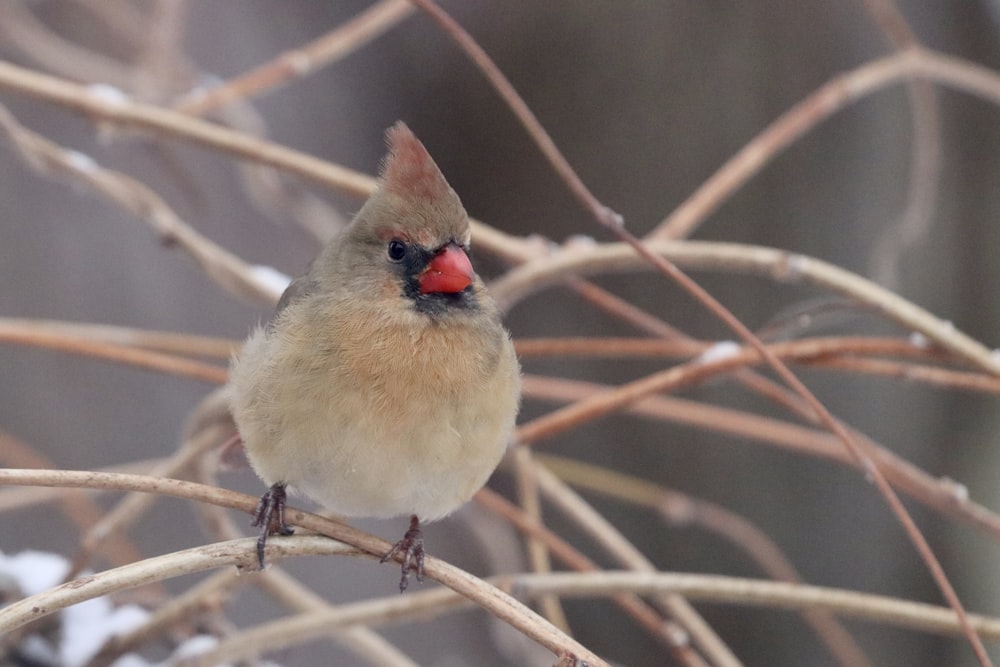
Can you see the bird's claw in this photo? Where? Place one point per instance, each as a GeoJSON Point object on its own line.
{"type": "Point", "coordinates": [270, 516]}
{"type": "Point", "coordinates": [412, 548]}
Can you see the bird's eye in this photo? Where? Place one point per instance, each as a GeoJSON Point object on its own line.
{"type": "Point", "coordinates": [396, 250]}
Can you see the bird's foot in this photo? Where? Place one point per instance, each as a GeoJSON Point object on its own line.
{"type": "Point", "coordinates": [412, 548]}
{"type": "Point", "coordinates": [270, 516]}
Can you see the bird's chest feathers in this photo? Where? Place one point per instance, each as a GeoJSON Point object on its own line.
{"type": "Point", "coordinates": [412, 367]}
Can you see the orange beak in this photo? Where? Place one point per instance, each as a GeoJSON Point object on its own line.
{"type": "Point", "coordinates": [449, 272]}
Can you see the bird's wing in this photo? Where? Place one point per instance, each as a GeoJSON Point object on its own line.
{"type": "Point", "coordinates": [298, 288]}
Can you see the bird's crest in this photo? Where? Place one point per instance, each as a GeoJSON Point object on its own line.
{"type": "Point", "coordinates": [408, 169]}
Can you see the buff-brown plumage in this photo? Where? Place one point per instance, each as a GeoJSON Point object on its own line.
{"type": "Point", "coordinates": [369, 392]}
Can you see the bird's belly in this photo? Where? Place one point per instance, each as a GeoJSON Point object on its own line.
{"type": "Point", "coordinates": [426, 464]}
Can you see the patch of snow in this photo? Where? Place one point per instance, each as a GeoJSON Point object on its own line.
{"type": "Point", "coordinates": [721, 351]}
{"type": "Point", "coordinates": [107, 94]}
{"type": "Point", "coordinates": [80, 161]}
{"type": "Point", "coordinates": [917, 339]}
{"type": "Point", "coordinates": [580, 242]}
{"type": "Point", "coordinates": [270, 278]}
{"type": "Point", "coordinates": [34, 571]}
{"type": "Point", "coordinates": [87, 625]}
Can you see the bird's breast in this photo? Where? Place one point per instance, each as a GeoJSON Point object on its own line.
{"type": "Point", "coordinates": [383, 415]}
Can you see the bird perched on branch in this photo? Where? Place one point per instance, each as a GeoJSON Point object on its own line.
{"type": "Point", "coordinates": [385, 385]}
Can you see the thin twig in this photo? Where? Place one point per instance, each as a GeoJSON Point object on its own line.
{"type": "Point", "coordinates": [13, 499]}
{"type": "Point", "coordinates": [147, 339]}
{"type": "Point", "coordinates": [779, 265]}
{"type": "Point", "coordinates": [71, 341]}
{"type": "Point", "coordinates": [122, 111]}
{"type": "Point", "coordinates": [614, 223]}
{"type": "Point", "coordinates": [301, 628]}
{"type": "Point", "coordinates": [729, 590]}
{"type": "Point", "coordinates": [180, 609]}
{"type": "Point", "coordinates": [857, 447]}
{"type": "Point", "coordinates": [838, 353]}
{"type": "Point", "coordinates": [838, 93]}
{"type": "Point", "coordinates": [612, 541]}
{"type": "Point", "coordinates": [34, 40]}
{"type": "Point", "coordinates": [301, 62]}
{"type": "Point", "coordinates": [363, 642]}
{"type": "Point", "coordinates": [359, 639]}
{"type": "Point", "coordinates": [160, 62]}
{"type": "Point", "coordinates": [241, 553]}
{"type": "Point", "coordinates": [925, 160]}
{"type": "Point", "coordinates": [682, 509]}
{"type": "Point", "coordinates": [930, 375]}
{"type": "Point", "coordinates": [623, 310]}
{"type": "Point", "coordinates": [835, 95]}
{"type": "Point", "coordinates": [133, 506]}
{"type": "Point", "coordinates": [122, 18]}
{"type": "Point", "coordinates": [668, 632]}
{"type": "Point", "coordinates": [773, 594]}
{"type": "Point", "coordinates": [50, 159]}
{"type": "Point", "coordinates": [76, 505]}
{"type": "Point", "coordinates": [538, 555]}
{"type": "Point", "coordinates": [944, 496]}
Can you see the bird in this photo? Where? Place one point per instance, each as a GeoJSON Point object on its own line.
{"type": "Point", "coordinates": [385, 385]}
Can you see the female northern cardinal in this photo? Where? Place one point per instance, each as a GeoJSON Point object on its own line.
{"type": "Point", "coordinates": [385, 385]}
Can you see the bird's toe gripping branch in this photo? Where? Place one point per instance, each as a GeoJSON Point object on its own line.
{"type": "Point", "coordinates": [412, 549]}
{"type": "Point", "coordinates": [270, 516]}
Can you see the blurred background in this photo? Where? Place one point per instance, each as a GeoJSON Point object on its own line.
{"type": "Point", "coordinates": [647, 100]}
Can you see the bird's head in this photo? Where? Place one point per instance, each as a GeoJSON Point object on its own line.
{"type": "Point", "coordinates": [411, 238]}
